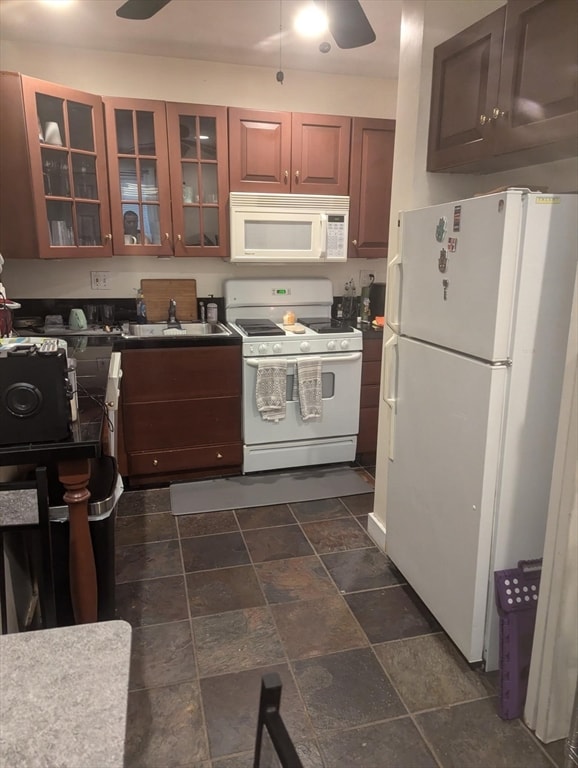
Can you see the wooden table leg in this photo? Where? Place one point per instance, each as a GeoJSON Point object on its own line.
{"type": "Point", "coordinates": [74, 476]}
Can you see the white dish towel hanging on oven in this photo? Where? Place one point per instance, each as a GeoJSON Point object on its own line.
{"type": "Point", "coordinates": [271, 388]}
{"type": "Point", "coordinates": [308, 372]}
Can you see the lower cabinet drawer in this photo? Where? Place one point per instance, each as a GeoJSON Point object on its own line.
{"type": "Point", "coordinates": [370, 373]}
{"type": "Point", "coordinates": [367, 437]}
{"type": "Point", "coordinates": [202, 457]}
{"type": "Point", "coordinates": [370, 396]}
{"type": "Point", "coordinates": [181, 424]}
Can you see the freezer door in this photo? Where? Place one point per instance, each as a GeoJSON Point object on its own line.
{"type": "Point", "coordinates": [442, 482]}
{"type": "Point", "coordinates": [456, 274]}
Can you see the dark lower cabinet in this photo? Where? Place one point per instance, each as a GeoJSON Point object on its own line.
{"type": "Point", "coordinates": [181, 413]}
{"type": "Point", "coordinates": [369, 406]}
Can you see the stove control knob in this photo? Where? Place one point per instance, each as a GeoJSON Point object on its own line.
{"type": "Point", "coordinates": [277, 348]}
{"type": "Point", "coordinates": [262, 348]}
{"type": "Point", "coordinates": [305, 346]}
{"type": "Point", "coordinates": [344, 344]}
{"type": "Point", "coordinates": [331, 345]}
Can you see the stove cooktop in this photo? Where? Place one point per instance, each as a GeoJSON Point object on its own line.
{"type": "Point", "coordinates": [325, 325]}
{"type": "Point", "coordinates": [260, 327]}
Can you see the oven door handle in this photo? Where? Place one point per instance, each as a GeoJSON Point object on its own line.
{"type": "Point", "coordinates": [345, 358]}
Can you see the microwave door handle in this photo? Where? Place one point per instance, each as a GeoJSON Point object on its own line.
{"type": "Point", "coordinates": [323, 235]}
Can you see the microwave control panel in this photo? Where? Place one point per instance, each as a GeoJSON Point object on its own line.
{"type": "Point", "coordinates": [336, 235]}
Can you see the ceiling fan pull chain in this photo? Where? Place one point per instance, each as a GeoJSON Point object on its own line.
{"type": "Point", "coordinates": [280, 76]}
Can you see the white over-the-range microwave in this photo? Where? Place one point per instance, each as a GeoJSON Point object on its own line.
{"type": "Point", "coordinates": [288, 228]}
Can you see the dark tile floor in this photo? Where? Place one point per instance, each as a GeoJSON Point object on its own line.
{"type": "Point", "coordinates": [369, 679]}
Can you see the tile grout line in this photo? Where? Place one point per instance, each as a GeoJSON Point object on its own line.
{"type": "Point", "coordinates": [195, 655]}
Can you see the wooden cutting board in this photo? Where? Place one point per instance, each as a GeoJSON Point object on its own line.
{"type": "Point", "coordinates": [158, 293]}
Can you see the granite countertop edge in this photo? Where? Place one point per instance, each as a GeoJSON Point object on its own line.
{"type": "Point", "coordinates": [64, 696]}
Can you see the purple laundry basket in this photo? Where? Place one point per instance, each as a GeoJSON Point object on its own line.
{"type": "Point", "coordinates": [516, 600]}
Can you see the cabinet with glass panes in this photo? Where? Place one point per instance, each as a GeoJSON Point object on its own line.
{"type": "Point", "coordinates": [168, 177]}
{"type": "Point", "coordinates": [53, 184]}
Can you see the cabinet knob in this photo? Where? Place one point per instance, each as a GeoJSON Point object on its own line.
{"type": "Point", "coordinates": [497, 113]}
{"type": "Point", "coordinates": [107, 238]}
{"type": "Point", "coordinates": [167, 236]}
{"type": "Point", "coordinates": [219, 455]}
{"type": "Point", "coordinates": [297, 177]}
{"type": "Point", "coordinates": [179, 238]}
{"type": "Point", "coordinates": [286, 177]}
{"type": "Point", "coordinates": [155, 462]}
{"type": "Point", "coordinates": [483, 119]}
{"type": "Point", "coordinates": [354, 242]}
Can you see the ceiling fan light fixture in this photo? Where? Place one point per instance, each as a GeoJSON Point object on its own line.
{"type": "Point", "coordinates": [311, 21]}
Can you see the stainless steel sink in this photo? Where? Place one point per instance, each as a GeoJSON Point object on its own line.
{"type": "Point", "coordinates": [160, 330]}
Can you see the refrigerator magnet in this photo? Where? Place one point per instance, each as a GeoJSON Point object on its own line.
{"type": "Point", "coordinates": [452, 244]}
{"type": "Point", "coordinates": [443, 261]}
{"type": "Point", "coordinates": [457, 217]}
{"type": "Point", "coordinates": [441, 229]}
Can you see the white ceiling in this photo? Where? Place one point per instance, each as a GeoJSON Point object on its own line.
{"type": "Point", "coordinates": [231, 31]}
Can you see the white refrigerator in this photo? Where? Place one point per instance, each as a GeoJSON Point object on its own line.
{"type": "Point", "coordinates": [479, 300]}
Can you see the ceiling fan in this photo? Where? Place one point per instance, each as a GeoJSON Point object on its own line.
{"type": "Point", "coordinates": [347, 21]}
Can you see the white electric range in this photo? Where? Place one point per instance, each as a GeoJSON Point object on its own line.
{"type": "Point", "coordinates": [255, 308]}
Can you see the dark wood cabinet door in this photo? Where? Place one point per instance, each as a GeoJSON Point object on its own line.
{"type": "Point", "coordinates": [53, 181]}
{"type": "Point", "coordinates": [197, 136]}
{"type": "Point", "coordinates": [161, 375]}
{"type": "Point", "coordinates": [538, 98]}
{"type": "Point", "coordinates": [369, 405]}
{"type": "Point", "coordinates": [465, 82]}
{"type": "Point", "coordinates": [138, 170]}
{"type": "Point", "coordinates": [372, 143]}
{"type": "Point", "coordinates": [320, 154]}
{"type": "Point", "coordinates": [259, 151]}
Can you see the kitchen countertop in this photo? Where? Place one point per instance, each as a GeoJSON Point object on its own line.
{"type": "Point", "coordinates": [64, 696]}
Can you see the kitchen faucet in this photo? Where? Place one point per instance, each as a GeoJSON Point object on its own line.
{"type": "Point", "coordinates": [172, 322]}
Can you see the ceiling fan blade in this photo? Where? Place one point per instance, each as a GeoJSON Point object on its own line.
{"type": "Point", "coordinates": [141, 9]}
{"type": "Point", "coordinates": [348, 23]}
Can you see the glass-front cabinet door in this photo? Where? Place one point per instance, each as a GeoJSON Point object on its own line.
{"type": "Point", "coordinates": [139, 177]}
{"type": "Point", "coordinates": [65, 131]}
{"type": "Point", "coordinates": [197, 137]}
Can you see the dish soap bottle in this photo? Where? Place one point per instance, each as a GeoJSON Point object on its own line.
{"type": "Point", "coordinates": [141, 309]}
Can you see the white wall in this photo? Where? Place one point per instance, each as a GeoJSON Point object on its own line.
{"type": "Point", "coordinates": [155, 77]}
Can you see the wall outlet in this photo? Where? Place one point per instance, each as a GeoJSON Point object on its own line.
{"type": "Point", "coordinates": [365, 278]}
{"type": "Point", "coordinates": [100, 281]}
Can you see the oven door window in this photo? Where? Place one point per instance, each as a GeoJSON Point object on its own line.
{"type": "Point", "coordinates": [327, 386]}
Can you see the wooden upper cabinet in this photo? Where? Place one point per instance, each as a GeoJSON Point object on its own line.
{"type": "Point", "coordinates": [199, 179]}
{"type": "Point", "coordinates": [372, 143]}
{"type": "Point", "coordinates": [465, 81]}
{"type": "Point", "coordinates": [505, 90]}
{"type": "Point", "coordinates": [138, 170]}
{"type": "Point", "coordinates": [320, 154]}
{"type": "Point", "coordinates": [53, 182]}
{"type": "Point", "coordinates": [284, 152]}
{"type": "Point", "coordinates": [259, 151]}
{"type": "Point", "coordinates": [538, 97]}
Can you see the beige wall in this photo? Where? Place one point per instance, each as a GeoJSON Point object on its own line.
{"type": "Point", "coordinates": [155, 77]}
{"type": "Point", "coordinates": [201, 82]}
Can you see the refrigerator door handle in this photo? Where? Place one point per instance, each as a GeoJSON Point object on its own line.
{"type": "Point", "coordinates": [389, 379]}
{"type": "Point", "coordinates": [393, 290]}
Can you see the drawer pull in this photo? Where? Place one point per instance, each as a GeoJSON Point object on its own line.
{"type": "Point", "coordinates": [155, 462]}
{"type": "Point", "coordinates": [219, 455]}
